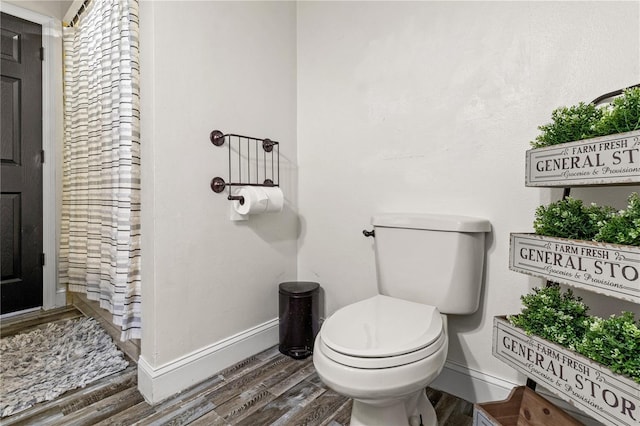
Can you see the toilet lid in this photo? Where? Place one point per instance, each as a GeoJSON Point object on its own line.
{"type": "Point", "coordinates": [382, 326]}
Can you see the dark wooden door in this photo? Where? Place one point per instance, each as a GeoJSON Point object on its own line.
{"type": "Point", "coordinates": [21, 163]}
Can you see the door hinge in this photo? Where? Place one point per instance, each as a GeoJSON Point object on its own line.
{"type": "Point", "coordinates": [42, 53]}
{"type": "Point", "coordinates": [41, 259]}
{"type": "Point", "coordinates": [42, 156]}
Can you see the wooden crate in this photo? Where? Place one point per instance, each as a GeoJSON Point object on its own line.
{"type": "Point", "coordinates": [523, 407]}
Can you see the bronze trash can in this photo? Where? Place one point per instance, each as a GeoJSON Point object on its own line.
{"type": "Point", "coordinates": [299, 317]}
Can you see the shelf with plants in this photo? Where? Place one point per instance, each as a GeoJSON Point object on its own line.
{"type": "Point", "coordinates": [588, 145]}
{"type": "Point", "coordinates": [607, 269]}
{"type": "Point", "coordinates": [610, 398]}
{"type": "Point", "coordinates": [590, 247]}
{"type": "Point", "coordinates": [592, 363]}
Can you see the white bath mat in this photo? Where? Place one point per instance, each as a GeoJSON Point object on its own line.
{"type": "Point", "coordinates": [42, 364]}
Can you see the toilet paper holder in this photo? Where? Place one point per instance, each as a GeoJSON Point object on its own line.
{"type": "Point", "coordinates": [258, 159]}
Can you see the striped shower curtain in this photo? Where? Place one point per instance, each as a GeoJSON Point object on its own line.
{"type": "Point", "coordinates": [100, 229]}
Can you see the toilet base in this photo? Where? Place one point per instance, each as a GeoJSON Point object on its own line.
{"type": "Point", "coordinates": [402, 412]}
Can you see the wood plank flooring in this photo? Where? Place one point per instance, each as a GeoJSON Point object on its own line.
{"type": "Point", "coordinates": [265, 389]}
{"type": "Point", "coordinates": [36, 319]}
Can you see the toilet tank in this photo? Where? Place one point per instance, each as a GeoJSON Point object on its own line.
{"type": "Point", "coordinates": [432, 259]}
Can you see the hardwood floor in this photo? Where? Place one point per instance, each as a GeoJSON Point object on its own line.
{"type": "Point", "coordinates": [36, 319]}
{"type": "Point", "coordinates": [265, 389]}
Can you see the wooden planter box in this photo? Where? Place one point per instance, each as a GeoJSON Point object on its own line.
{"type": "Point", "coordinates": [594, 389]}
{"type": "Point", "coordinates": [523, 407]}
{"type": "Point", "coordinates": [605, 160]}
{"type": "Point", "coordinates": [609, 269]}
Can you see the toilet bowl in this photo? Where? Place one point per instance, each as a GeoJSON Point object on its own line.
{"type": "Point", "coordinates": [383, 352]}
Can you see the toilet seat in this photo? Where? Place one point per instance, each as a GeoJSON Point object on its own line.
{"type": "Point", "coordinates": [382, 332]}
{"type": "Point", "coordinates": [381, 362]}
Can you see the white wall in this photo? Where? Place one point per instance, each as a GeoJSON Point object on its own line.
{"type": "Point", "coordinates": [53, 8]}
{"type": "Point", "coordinates": [429, 107]}
{"type": "Point", "coordinates": [204, 66]}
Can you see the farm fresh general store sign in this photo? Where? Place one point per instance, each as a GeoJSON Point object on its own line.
{"type": "Point", "coordinates": [605, 160]}
{"type": "Point", "coordinates": [609, 269]}
{"type": "Point", "coordinates": [608, 397]}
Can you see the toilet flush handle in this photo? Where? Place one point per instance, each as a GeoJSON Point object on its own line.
{"type": "Point", "coordinates": [369, 233]}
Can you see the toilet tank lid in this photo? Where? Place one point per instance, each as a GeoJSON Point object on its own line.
{"type": "Point", "coordinates": [432, 222]}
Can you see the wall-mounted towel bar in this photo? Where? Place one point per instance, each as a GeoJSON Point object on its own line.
{"type": "Point", "coordinates": [252, 162]}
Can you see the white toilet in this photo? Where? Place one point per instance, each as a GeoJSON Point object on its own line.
{"type": "Point", "coordinates": [385, 350]}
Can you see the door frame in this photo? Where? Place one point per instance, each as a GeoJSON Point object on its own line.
{"type": "Point", "coordinates": [52, 131]}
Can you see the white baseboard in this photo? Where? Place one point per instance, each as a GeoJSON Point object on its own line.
{"type": "Point", "coordinates": [471, 385]}
{"type": "Point", "coordinates": [475, 386]}
{"type": "Point", "coordinates": [159, 383]}
{"type": "Point", "coordinates": [61, 297]}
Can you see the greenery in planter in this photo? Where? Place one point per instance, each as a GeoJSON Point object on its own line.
{"type": "Point", "coordinates": [554, 315]}
{"type": "Point", "coordinates": [569, 124]}
{"type": "Point", "coordinates": [584, 121]}
{"type": "Point", "coordinates": [562, 318]}
{"type": "Point", "coordinates": [623, 227]}
{"type": "Point", "coordinates": [622, 115]}
{"type": "Point", "coordinates": [570, 218]}
{"type": "Point", "coordinates": [614, 342]}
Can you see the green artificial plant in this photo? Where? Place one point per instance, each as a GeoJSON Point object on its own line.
{"type": "Point", "coordinates": [554, 315]}
{"type": "Point", "coordinates": [569, 124]}
{"type": "Point", "coordinates": [570, 218]}
{"type": "Point", "coordinates": [622, 115]}
{"type": "Point", "coordinates": [614, 342]}
{"type": "Point", "coordinates": [584, 121]}
{"type": "Point", "coordinates": [562, 318]}
{"type": "Point", "coordinates": [622, 227]}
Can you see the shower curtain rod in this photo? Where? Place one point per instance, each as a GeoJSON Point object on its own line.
{"type": "Point", "coordinates": [81, 9]}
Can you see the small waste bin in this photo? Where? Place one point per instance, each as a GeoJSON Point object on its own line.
{"type": "Point", "coordinates": [299, 313]}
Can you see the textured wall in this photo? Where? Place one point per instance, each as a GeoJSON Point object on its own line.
{"type": "Point", "coordinates": [429, 107]}
{"type": "Point", "coordinates": [212, 65]}
{"type": "Point", "coordinates": [53, 8]}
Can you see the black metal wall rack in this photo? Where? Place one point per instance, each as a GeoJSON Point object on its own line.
{"type": "Point", "coordinates": [252, 162]}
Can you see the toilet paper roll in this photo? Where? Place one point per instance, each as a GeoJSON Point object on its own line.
{"type": "Point", "coordinates": [255, 201]}
{"type": "Point", "coordinates": [259, 199]}
{"type": "Point", "coordinates": [275, 199]}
